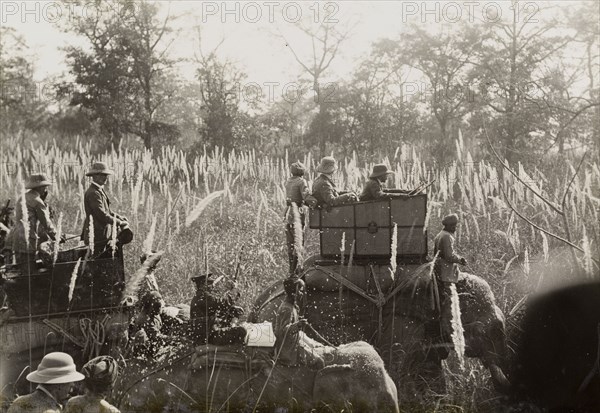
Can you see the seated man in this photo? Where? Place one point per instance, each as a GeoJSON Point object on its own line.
{"type": "Point", "coordinates": [374, 187]}
{"type": "Point", "coordinates": [25, 240]}
{"type": "Point", "coordinates": [292, 346]}
{"type": "Point", "coordinates": [324, 189]}
{"type": "Point", "coordinates": [211, 317]}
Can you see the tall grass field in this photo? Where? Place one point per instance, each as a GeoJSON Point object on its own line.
{"type": "Point", "coordinates": [220, 211]}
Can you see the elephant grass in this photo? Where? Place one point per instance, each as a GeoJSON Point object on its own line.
{"type": "Point", "coordinates": [165, 186]}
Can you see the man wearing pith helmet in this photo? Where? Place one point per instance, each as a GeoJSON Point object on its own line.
{"type": "Point", "coordinates": [324, 189]}
{"type": "Point", "coordinates": [54, 377]}
{"type": "Point", "coordinates": [97, 208]}
{"type": "Point", "coordinates": [445, 267]}
{"type": "Point", "coordinates": [25, 241]}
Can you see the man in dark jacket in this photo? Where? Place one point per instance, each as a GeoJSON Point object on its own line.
{"type": "Point", "coordinates": [23, 240]}
{"type": "Point", "coordinates": [374, 187]}
{"type": "Point", "coordinates": [97, 208]}
{"type": "Point", "coordinates": [324, 189]}
{"type": "Point", "coordinates": [211, 316]}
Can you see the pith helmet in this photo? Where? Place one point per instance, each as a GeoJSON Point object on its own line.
{"type": "Point", "coordinates": [297, 168]}
{"type": "Point", "coordinates": [37, 181]}
{"type": "Point", "coordinates": [55, 368]}
{"type": "Point", "coordinates": [328, 165]}
{"type": "Point", "coordinates": [99, 168]}
{"type": "Point", "coordinates": [451, 219]}
{"type": "Point", "coordinates": [380, 170]}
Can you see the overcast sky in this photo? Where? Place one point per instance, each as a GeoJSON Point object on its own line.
{"type": "Point", "coordinates": [249, 29]}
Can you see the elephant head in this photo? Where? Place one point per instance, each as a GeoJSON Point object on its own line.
{"type": "Point", "coordinates": [556, 360]}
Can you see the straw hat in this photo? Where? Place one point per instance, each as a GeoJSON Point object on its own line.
{"type": "Point", "coordinates": [99, 168]}
{"type": "Point", "coordinates": [37, 181]}
{"type": "Point", "coordinates": [55, 368]}
{"type": "Point", "coordinates": [380, 170]}
{"type": "Point", "coordinates": [328, 165]}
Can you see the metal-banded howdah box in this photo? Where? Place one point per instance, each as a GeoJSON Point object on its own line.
{"type": "Point", "coordinates": [370, 225]}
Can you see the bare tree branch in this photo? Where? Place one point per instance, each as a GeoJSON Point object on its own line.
{"type": "Point", "coordinates": [508, 168]}
{"type": "Point", "coordinates": [542, 229]}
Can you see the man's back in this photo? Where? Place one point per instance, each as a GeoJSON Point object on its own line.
{"type": "Point", "coordinates": [36, 402]}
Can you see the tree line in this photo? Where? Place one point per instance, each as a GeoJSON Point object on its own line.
{"type": "Point", "coordinates": [531, 87]}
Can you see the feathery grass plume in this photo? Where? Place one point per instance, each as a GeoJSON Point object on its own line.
{"type": "Point", "coordinates": [58, 236]}
{"type": "Point", "coordinates": [394, 247]}
{"type": "Point", "coordinates": [458, 332]}
{"type": "Point", "coordinates": [133, 284]}
{"type": "Point", "coordinates": [74, 279]}
{"type": "Point", "coordinates": [544, 246]}
{"type": "Point", "coordinates": [351, 258]}
{"type": "Point", "coordinates": [298, 233]}
{"type": "Point", "coordinates": [526, 268]}
{"type": "Point", "coordinates": [91, 235]}
{"type": "Point", "coordinates": [588, 264]}
{"type": "Point", "coordinates": [147, 245]}
{"type": "Point", "coordinates": [25, 213]}
{"type": "Point", "coordinates": [200, 206]}
{"type": "Point", "coordinates": [113, 238]}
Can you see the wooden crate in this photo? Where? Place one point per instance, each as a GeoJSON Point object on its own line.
{"type": "Point", "coordinates": [370, 225]}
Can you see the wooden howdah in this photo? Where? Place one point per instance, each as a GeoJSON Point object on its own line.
{"type": "Point", "coordinates": [369, 225]}
{"type": "Point", "coordinates": [98, 283]}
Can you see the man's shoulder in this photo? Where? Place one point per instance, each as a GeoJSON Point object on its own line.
{"type": "Point", "coordinates": [33, 199]}
{"type": "Point", "coordinates": [33, 402]}
{"type": "Point", "coordinates": [321, 181]}
{"type": "Point", "coordinates": [373, 183]}
{"type": "Point", "coordinates": [443, 235]}
{"type": "Point", "coordinates": [92, 189]}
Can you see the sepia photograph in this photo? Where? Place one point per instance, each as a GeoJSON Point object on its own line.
{"type": "Point", "coordinates": [299, 206]}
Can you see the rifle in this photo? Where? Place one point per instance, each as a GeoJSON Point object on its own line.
{"type": "Point", "coordinates": [421, 188]}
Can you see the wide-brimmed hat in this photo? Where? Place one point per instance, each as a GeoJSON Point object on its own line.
{"type": "Point", "coordinates": [55, 368]}
{"type": "Point", "coordinates": [297, 168]}
{"type": "Point", "coordinates": [451, 219]}
{"type": "Point", "coordinates": [380, 170]}
{"type": "Point", "coordinates": [99, 168]}
{"type": "Point", "coordinates": [328, 165]}
{"type": "Point", "coordinates": [37, 181]}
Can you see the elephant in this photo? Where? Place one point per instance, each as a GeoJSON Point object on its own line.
{"type": "Point", "coordinates": [236, 378]}
{"type": "Point", "coordinates": [556, 359]}
{"type": "Point", "coordinates": [398, 315]}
